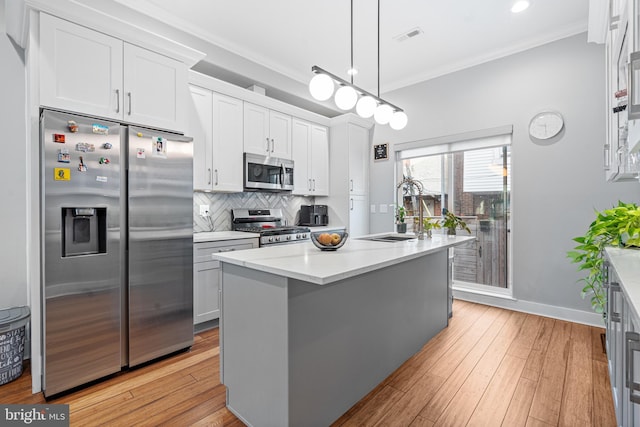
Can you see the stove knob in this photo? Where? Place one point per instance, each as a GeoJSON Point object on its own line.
{"type": "Point", "coordinates": [304, 236]}
{"type": "Point", "coordinates": [277, 238]}
{"type": "Point", "coordinates": [288, 237]}
{"type": "Point", "coordinates": [271, 239]}
{"type": "Point", "coordinates": [297, 236]}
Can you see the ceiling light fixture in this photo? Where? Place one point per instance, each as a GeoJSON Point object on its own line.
{"type": "Point", "coordinates": [349, 95]}
{"type": "Point", "coordinates": [519, 6]}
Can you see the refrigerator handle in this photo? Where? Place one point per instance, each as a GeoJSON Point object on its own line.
{"type": "Point", "coordinates": [117, 100]}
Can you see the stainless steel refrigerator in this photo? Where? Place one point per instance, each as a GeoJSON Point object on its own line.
{"type": "Point", "coordinates": [117, 247]}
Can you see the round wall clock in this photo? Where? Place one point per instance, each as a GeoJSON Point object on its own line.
{"type": "Point", "coordinates": [546, 125]}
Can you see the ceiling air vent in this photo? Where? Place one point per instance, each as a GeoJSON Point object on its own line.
{"type": "Point", "coordinates": [414, 32]}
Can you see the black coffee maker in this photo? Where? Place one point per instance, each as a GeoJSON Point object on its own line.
{"type": "Point", "coordinates": [312, 215]}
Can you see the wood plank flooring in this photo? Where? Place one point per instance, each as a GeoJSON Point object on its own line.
{"type": "Point", "coordinates": [490, 367]}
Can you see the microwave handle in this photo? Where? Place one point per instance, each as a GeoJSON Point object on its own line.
{"type": "Point", "coordinates": [283, 172]}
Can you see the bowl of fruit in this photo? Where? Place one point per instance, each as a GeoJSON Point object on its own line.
{"type": "Point", "coordinates": [329, 240]}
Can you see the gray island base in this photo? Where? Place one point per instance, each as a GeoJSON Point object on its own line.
{"type": "Point", "coordinates": [296, 352]}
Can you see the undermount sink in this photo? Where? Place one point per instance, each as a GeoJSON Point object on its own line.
{"type": "Point", "coordinates": [389, 238]}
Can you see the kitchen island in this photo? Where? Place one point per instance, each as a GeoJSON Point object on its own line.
{"type": "Point", "coordinates": [305, 334]}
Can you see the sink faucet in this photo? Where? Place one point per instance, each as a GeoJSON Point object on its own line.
{"type": "Point", "coordinates": [413, 183]}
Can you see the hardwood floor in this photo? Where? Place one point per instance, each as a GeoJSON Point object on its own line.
{"type": "Point", "coordinates": [490, 367]}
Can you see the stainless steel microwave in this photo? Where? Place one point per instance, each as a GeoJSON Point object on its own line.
{"type": "Point", "coordinates": [262, 173]}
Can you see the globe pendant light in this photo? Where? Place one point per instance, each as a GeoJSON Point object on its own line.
{"type": "Point", "coordinates": [346, 98]}
{"type": "Point", "coordinates": [398, 120]}
{"type": "Point", "coordinates": [366, 106]}
{"type": "Point", "coordinates": [383, 114]}
{"type": "Point", "coordinates": [321, 87]}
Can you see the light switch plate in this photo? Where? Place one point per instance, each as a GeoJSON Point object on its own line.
{"type": "Point", "coordinates": [383, 208]}
{"type": "Point", "coordinates": [204, 210]}
{"type": "Point", "coordinates": [373, 208]}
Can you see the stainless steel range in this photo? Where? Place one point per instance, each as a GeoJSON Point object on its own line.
{"type": "Point", "coordinates": [268, 223]}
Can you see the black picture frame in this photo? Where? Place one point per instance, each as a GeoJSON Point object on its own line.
{"type": "Point", "coordinates": [381, 151]}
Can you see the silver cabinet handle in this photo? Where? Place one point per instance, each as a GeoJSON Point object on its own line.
{"type": "Point", "coordinates": [314, 185]}
{"type": "Point", "coordinates": [216, 171]}
{"type": "Point", "coordinates": [227, 250]}
{"type": "Point", "coordinates": [614, 316]}
{"type": "Point", "coordinates": [607, 163]}
{"type": "Point", "coordinates": [117, 100]}
{"type": "Point", "coordinates": [309, 186]}
{"type": "Point", "coordinates": [351, 201]}
{"type": "Point", "coordinates": [267, 144]}
{"type": "Point", "coordinates": [209, 176]}
{"type": "Point", "coordinates": [129, 95]}
{"type": "Point", "coordinates": [273, 145]}
{"type": "Point", "coordinates": [632, 345]}
{"type": "Point", "coordinates": [351, 184]}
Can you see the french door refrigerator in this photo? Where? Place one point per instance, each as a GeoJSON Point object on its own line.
{"type": "Point", "coordinates": [117, 251]}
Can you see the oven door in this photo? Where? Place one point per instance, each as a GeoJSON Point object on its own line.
{"type": "Point", "coordinates": [267, 173]}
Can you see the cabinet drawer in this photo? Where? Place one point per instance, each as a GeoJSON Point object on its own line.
{"type": "Point", "coordinates": [203, 252]}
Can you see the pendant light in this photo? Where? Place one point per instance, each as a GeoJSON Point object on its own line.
{"type": "Point", "coordinates": [348, 95]}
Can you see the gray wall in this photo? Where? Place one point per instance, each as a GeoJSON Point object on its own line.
{"type": "Point", "coordinates": [555, 187]}
{"type": "Point", "coordinates": [13, 190]}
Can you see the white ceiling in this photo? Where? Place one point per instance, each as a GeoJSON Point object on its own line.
{"type": "Point", "coordinates": [290, 36]}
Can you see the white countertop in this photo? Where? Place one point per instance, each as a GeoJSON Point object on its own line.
{"type": "Point", "coordinates": [626, 262]}
{"type": "Point", "coordinates": [215, 236]}
{"type": "Point", "coordinates": [305, 262]}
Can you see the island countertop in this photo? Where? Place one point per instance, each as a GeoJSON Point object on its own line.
{"type": "Point", "coordinates": [303, 261]}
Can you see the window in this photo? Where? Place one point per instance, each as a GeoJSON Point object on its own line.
{"type": "Point", "coordinates": [472, 178]}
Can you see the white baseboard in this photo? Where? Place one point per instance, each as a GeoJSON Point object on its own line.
{"type": "Point", "coordinates": [562, 313]}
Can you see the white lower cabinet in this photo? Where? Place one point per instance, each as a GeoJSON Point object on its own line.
{"type": "Point", "coordinates": [623, 352]}
{"type": "Point", "coordinates": [206, 276]}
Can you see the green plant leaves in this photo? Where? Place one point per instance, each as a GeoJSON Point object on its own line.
{"type": "Point", "coordinates": [611, 227]}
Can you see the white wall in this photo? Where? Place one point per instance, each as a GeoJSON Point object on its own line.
{"type": "Point", "coordinates": [555, 187]}
{"type": "Point", "coordinates": [13, 189]}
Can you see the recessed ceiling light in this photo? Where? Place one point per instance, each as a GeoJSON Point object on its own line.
{"type": "Point", "coordinates": [519, 6]}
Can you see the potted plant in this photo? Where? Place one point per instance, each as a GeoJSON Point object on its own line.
{"type": "Point", "coordinates": [401, 226]}
{"type": "Point", "coordinates": [451, 222]}
{"type": "Point", "coordinates": [430, 224]}
{"type": "Point", "coordinates": [618, 226]}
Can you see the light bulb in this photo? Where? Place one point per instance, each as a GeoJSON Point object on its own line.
{"type": "Point", "coordinates": [383, 114]}
{"type": "Point", "coordinates": [346, 97]}
{"type": "Point", "coordinates": [366, 106]}
{"type": "Point", "coordinates": [519, 6]}
{"type": "Point", "coordinates": [321, 87]}
{"type": "Point", "coordinates": [398, 120]}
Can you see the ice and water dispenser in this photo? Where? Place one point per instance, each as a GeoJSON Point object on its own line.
{"type": "Point", "coordinates": [84, 231]}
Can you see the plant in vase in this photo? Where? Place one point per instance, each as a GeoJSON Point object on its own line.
{"type": "Point", "coordinates": [451, 222]}
{"type": "Point", "coordinates": [430, 224]}
{"type": "Point", "coordinates": [401, 226]}
{"type": "Point", "coordinates": [618, 226]}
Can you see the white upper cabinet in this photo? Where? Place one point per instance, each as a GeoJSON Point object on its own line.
{"type": "Point", "coordinates": [227, 143]}
{"type": "Point", "coordinates": [358, 159]}
{"type": "Point", "coordinates": [88, 72]}
{"type": "Point", "coordinates": [310, 150]}
{"type": "Point", "coordinates": [201, 130]}
{"type": "Point", "coordinates": [80, 69]}
{"type": "Point", "coordinates": [155, 89]}
{"type": "Point", "coordinates": [266, 132]}
{"type": "Point", "coordinates": [216, 128]}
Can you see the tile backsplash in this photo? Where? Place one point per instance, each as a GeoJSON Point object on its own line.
{"type": "Point", "coordinates": [220, 205]}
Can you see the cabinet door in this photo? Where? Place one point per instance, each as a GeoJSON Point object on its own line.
{"type": "Point", "coordinates": [358, 216]}
{"type": "Point", "coordinates": [358, 159]}
{"type": "Point", "coordinates": [155, 89]}
{"type": "Point", "coordinates": [301, 155]}
{"type": "Point", "coordinates": [201, 130]}
{"type": "Point", "coordinates": [319, 160]}
{"type": "Point", "coordinates": [80, 69]}
{"type": "Point", "coordinates": [256, 129]}
{"type": "Point", "coordinates": [280, 134]}
{"type": "Point", "coordinates": [206, 284]}
{"type": "Point", "coordinates": [227, 143]}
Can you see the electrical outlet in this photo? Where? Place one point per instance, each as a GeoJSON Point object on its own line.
{"type": "Point", "coordinates": [204, 210]}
